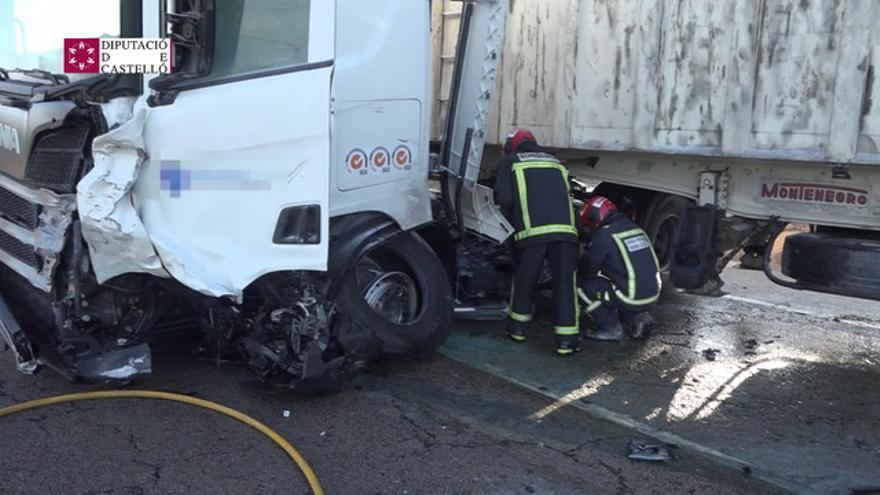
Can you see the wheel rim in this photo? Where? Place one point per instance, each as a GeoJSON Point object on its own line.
{"type": "Point", "coordinates": [393, 295]}
{"type": "Point", "coordinates": [663, 240]}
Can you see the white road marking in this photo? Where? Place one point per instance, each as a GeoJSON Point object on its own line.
{"type": "Point", "coordinates": [600, 413]}
{"type": "Point", "coordinates": [803, 312]}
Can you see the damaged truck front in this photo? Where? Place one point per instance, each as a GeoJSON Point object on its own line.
{"type": "Point", "coordinates": [269, 196]}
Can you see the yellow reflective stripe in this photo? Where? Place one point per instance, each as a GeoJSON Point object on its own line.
{"type": "Point", "coordinates": [570, 203]}
{"type": "Point", "coordinates": [624, 252]}
{"type": "Point", "coordinates": [546, 229]}
{"type": "Point", "coordinates": [584, 296]}
{"type": "Point", "coordinates": [636, 302]}
{"type": "Point", "coordinates": [523, 197]}
{"type": "Point", "coordinates": [522, 188]}
{"type": "Point", "coordinates": [530, 165]}
{"type": "Point", "coordinates": [564, 352]}
{"type": "Point", "coordinates": [519, 317]}
{"type": "Point", "coordinates": [591, 304]}
{"type": "Point", "coordinates": [567, 330]}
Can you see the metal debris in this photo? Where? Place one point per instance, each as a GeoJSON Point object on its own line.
{"type": "Point", "coordinates": [638, 450]}
{"type": "Point", "coordinates": [711, 354]}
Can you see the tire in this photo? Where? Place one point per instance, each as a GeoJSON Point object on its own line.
{"type": "Point", "coordinates": [843, 265]}
{"type": "Point", "coordinates": [661, 221]}
{"type": "Point", "coordinates": [404, 264]}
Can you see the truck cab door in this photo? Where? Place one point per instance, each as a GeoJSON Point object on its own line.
{"type": "Point", "coordinates": [481, 35]}
{"type": "Point", "coordinates": [236, 181]}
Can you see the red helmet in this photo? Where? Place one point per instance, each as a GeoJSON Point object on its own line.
{"type": "Point", "coordinates": [516, 138]}
{"type": "Point", "coordinates": [596, 210]}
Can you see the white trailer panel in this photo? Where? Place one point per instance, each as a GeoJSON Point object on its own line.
{"type": "Point", "coordinates": [778, 79]}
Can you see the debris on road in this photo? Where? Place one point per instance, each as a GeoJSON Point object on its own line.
{"type": "Point", "coordinates": [641, 451]}
{"type": "Point", "coordinates": [711, 354]}
{"type": "Point", "coordinates": [285, 413]}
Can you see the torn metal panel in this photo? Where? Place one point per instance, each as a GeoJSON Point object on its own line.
{"type": "Point", "coordinates": [118, 111]}
{"type": "Point", "coordinates": [117, 239]}
{"type": "Point", "coordinates": [123, 363]}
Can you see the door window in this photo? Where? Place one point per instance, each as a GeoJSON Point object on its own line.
{"type": "Point", "coordinates": [256, 35]}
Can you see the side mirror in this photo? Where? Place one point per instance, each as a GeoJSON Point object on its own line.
{"type": "Point", "coordinates": [192, 37]}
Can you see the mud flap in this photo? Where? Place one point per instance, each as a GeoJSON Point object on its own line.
{"type": "Point", "coordinates": [694, 258]}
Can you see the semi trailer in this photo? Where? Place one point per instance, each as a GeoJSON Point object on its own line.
{"type": "Point", "coordinates": [762, 112]}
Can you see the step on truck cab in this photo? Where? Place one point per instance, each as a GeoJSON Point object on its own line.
{"type": "Point", "coordinates": [270, 194]}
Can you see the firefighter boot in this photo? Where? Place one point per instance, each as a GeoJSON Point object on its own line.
{"type": "Point", "coordinates": [642, 325]}
{"type": "Point", "coordinates": [566, 346]}
{"type": "Point", "coordinates": [516, 330]}
{"type": "Point", "coordinates": [608, 332]}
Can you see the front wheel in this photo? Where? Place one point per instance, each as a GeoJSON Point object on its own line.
{"type": "Point", "coordinates": [399, 292]}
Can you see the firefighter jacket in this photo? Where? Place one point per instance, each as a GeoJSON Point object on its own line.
{"type": "Point", "coordinates": [532, 189]}
{"type": "Point", "coordinates": [621, 252]}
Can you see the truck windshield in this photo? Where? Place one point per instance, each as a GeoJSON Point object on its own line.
{"type": "Point", "coordinates": [32, 32]}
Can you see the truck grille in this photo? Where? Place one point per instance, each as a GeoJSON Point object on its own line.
{"type": "Point", "coordinates": [19, 210]}
{"type": "Point", "coordinates": [57, 159]}
{"type": "Point", "coordinates": [19, 250]}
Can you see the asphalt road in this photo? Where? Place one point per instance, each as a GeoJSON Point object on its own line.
{"type": "Point", "coordinates": [784, 383]}
{"type": "Point", "coordinates": [435, 427]}
{"type": "Point", "coordinates": [443, 426]}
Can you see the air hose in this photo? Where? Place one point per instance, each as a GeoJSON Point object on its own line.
{"type": "Point", "coordinates": [303, 465]}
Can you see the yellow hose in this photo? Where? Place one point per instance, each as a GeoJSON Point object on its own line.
{"type": "Point", "coordinates": [307, 471]}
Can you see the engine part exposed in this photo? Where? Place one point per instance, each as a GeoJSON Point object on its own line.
{"type": "Point", "coordinates": [285, 332]}
{"type": "Point", "coordinates": [485, 268]}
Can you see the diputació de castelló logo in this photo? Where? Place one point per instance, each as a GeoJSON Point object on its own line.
{"type": "Point", "coordinates": [118, 56]}
{"type": "Point", "coordinates": [82, 55]}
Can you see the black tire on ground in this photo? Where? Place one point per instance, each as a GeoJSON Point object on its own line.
{"type": "Point", "coordinates": [660, 223]}
{"type": "Point", "coordinates": [417, 269]}
{"type": "Point", "coordinates": [846, 265]}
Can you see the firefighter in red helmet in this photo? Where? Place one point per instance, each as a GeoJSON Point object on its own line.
{"type": "Point", "coordinates": [618, 276]}
{"type": "Point", "coordinates": [532, 189]}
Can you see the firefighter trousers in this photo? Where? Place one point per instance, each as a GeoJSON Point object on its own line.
{"type": "Point", "coordinates": [600, 299]}
{"type": "Point", "coordinates": [562, 258]}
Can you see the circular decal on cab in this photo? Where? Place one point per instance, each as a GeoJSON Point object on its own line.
{"type": "Point", "coordinates": [402, 157]}
{"type": "Point", "coordinates": [356, 162]}
{"type": "Point", "coordinates": [380, 159]}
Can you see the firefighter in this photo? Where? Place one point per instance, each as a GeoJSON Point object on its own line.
{"type": "Point", "coordinates": [618, 274]}
{"type": "Point", "coordinates": [532, 189]}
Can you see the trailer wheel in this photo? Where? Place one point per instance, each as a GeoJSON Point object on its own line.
{"type": "Point", "coordinates": [842, 265]}
{"type": "Point", "coordinates": [400, 293]}
{"type": "Point", "coordinates": [661, 222]}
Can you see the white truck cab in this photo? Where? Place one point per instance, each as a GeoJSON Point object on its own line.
{"type": "Point", "coordinates": [275, 185]}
